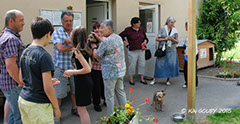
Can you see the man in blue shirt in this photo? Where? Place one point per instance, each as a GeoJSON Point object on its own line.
{"type": "Point", "coordinates": [62, 58]}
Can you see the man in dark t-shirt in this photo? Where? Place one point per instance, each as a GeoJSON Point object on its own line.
{"type": "Point", "coordinates": [38, 100]}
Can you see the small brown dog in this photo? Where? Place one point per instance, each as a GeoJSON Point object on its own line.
{"type": "Point", "coordinates": [158, 98]}
{"type": "Point", "coordinates": [93, 39]}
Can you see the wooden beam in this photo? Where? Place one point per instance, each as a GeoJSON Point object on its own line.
{"type": "Point", "coordinates": [191, 91]}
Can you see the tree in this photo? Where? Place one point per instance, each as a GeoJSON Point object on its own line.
{"type": "Point", "coordinates": [218, 20]}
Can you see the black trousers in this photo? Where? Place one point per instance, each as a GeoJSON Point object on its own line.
{"type": "Point", "coordinates": [185, 71]}
{"type": "Point", "coordinates": [98, 87]}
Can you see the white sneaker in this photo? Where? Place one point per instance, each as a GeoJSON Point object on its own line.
{"type": "Point", "coordinates": [168, 83]}
{"type": "Point", "coordinates": [152, 82]}
{"type": "Point", "coordinates": [184, 86]}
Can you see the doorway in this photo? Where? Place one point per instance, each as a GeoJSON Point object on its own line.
{"type": "Point", "coordinates": [149, 16]}
{"type": "Point", "coordinates": [97, 11]}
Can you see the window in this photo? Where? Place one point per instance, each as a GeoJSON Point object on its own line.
{"type": "Point", "coordinates": [147, 19]}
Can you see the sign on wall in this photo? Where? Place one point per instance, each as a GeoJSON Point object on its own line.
{"type": "Point", "coordinates": [77, 19]}
{"type": "Point", "coordinates": [203, 53]}
{"type": "Point", "coordinates": [54, 16]}
{"type": "Point", "coordinates": [149, 27]}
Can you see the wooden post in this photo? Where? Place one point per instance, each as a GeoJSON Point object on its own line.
{"type": "Point", "coordinates": [191, 91]}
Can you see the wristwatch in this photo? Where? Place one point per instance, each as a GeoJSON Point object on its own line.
{"type": "Point", "coordinates": [94, 48]}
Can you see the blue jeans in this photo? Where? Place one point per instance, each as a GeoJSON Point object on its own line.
{"type": "Point", "coordinates": [12, 97]}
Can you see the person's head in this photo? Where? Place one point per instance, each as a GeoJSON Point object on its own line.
{"type": "Point", "coordinates": [96, 27]}
{"type": "Point", "coordinates": [106, 28]}
{"type": "Point", "coordinates": [67, 20]}
{"type": "Point", "coordinates": [170, 22]}
{"type": "Point", "coordinates": [135, 22]}
{"type": "Point", "coordinates": [42, 28]}
{"type": "Point", "coordinates": [79, 38]}
{"type": "Point", "coordinates": [14, 20]}
{"type": "Point", "coordinates": [186, 26]}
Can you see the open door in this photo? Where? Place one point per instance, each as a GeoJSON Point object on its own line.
{"type": "Point", "coordinates": [150, 22]}
{"type": "Point", "coordinates": [97, 11]}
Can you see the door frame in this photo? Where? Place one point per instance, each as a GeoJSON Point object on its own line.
{"type": "Point", "coordinates": [149, 65]}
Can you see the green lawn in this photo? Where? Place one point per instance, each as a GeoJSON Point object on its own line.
{"type": "Point", "coordinates": [235, 52]}
{"type": "Point", "coordinates": [228, 117]}
{"type": "Point", "coordinates": [231, 117]}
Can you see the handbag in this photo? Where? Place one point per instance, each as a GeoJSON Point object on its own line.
{"type": "Point", "coordinates": [159, 52]}
{"type": "Point", "coordinates": [148, 54]}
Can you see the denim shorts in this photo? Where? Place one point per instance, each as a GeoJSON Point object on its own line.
{"type": "Point", "coordinates": [61, 89]}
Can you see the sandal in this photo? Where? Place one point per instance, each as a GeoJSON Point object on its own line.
{"type": "Point", "coordinates": [144, 82]}
{"type": "Point", "coordinates": [131, 83]}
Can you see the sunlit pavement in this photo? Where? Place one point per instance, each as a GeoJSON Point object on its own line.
{"type": "Point", "coordinates": [211, 95]}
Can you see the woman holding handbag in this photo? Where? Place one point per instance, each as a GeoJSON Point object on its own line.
{"type": "Point", "coordinates": [136, 42]}
{"type": "Point", "coordinates": [167, 66]}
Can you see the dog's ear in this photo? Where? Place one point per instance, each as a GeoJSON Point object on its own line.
{"type": "Point", "coordinates": [164, 93]}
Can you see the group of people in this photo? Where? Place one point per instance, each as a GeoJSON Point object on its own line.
{"type": "Point", "coordinates": [167, 39]}
{"type": "Point", "coordinates": [34, 85]}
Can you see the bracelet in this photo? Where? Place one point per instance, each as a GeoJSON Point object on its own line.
{"type": "Point", "coordinates": [94, 48]}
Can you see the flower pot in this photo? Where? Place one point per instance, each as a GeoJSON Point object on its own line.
{"type": "Point", "coordinates": [135, 119]}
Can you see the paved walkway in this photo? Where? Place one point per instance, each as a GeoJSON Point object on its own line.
{"type": "Point", "coordinates": [211, 94]}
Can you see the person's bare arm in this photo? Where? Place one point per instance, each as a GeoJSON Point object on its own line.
{"type": "Point", "coordinates": [12, 69]}
{"type": "Point", "coordinates": [20, 77]}
{"type": "Point", "coordinates": [162, 39]}
{"type": "Point", "coordinates": [90, 62]}
{"type": "Point", "coordinates": [126, 42]}
{"type": "Point", "coordinates": [67, 41]}
{"type": "Point", "coordinates": [86, 66]}
{"type": "Point", "coordinates": [55, 81]}
{"type": "Point", "coordinates": [94, 52]}
{"type": "Point", "coordinates": [174, 40]}
{"type": "Point", "coordinates": [50, 92]}
{"type": "Point", "coordinates": [97, 36]}
{"type": "Point", "coordinates": [62, 48]}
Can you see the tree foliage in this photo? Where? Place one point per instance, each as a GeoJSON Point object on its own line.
{"type": "Point", "coordinates": [218, 20]}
